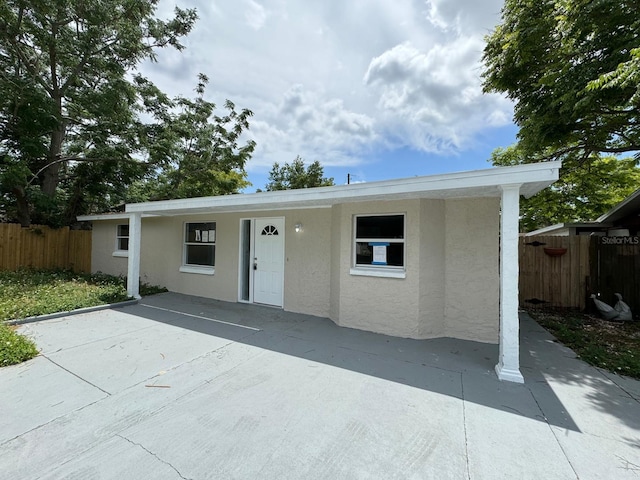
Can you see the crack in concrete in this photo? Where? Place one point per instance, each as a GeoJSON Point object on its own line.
{"type": "Point", "coordinates": [153, 455]}
{"type": "Point", "coordinates": [76, 375]}
{"type": "Point", "coordinates": [612, 380]}
{"type": "Point", "coordinates": [546, 420]}
{"type": "Point", "coordinates": [464, 424]}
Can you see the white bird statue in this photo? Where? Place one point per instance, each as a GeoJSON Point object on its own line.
{"type": "Point", "coordinates": [607, 312]}
{"type": "Point", "coordinates": [624, 311]}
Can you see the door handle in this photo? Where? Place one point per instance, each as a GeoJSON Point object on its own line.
{"type": "Point", "coordinates": [255, 263]}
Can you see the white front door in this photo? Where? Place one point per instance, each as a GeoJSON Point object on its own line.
{"type": "Point", "coordinates": [268, 261]}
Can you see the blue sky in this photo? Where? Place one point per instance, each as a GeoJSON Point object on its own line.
{"type": "Point", "coordinates": [380, 89]}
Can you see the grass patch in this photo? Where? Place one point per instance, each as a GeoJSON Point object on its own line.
{"type": "Point", "coordinates": [28, 293]}
{"type": "Point", "coordinates": [15, 348]}
{"type": "Point", "coordinates": [613, 346]}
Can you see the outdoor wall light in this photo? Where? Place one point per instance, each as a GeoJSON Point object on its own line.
{"type": "Point", "coordinates": [298, 227]}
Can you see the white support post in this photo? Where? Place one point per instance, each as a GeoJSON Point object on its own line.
{"type": "Point", "coordinates": [508, 367]}
{"type": "Point", "coordinates": [133, 270]}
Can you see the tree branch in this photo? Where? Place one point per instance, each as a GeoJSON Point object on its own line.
{"type": "Point", "coordinates": [73, 158]}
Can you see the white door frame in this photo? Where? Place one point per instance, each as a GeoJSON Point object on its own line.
{"type": "Point", "coordinates": [252, 254]}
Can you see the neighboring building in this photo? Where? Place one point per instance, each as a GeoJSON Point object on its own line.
{"type": "Point", "coordinates": [621, 220]}
{"type": "Point", "coordinates": [421, 257]}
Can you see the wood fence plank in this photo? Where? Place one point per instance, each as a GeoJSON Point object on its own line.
{"type": "Point", "coordinates": [558, 281]}
{"type": "Point", "coordinates": [587, 266]}
{"type": "Point", "coordinates": [42, 247]}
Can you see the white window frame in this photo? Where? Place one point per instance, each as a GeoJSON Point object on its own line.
{"type": "Point", "coordinates": [389, 271]}
{"type": "Point", "coordinates": [119, 252]}
{"type": "Point", "coordinates": [199, 269]}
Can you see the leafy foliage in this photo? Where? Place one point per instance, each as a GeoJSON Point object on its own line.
{"type": "Point", "coordinates": [295, 175]}
{"type": "Point", "coordinates": [15, 348]}
{"type": "Point", "coordinates": [584, 191]}
{"type": "Point", "coordinates": [572, 67]}
{"type": "Point", "coordinates": [28, 293]}
{"type": "Point", "coordinates": [69, 126]}
{"type": "Point", "coordinates": [197, 152]}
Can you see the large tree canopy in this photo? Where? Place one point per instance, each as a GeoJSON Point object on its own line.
{"type": "Point", "coordinates": [573, 69]}
{"type": "Point", "coordinates": [196, 152]}
{"type": "Point", "coordinates": [66, 95]}
{"type": "Point", "coordinates": [71, 102]}
{"type": "Point", "coordinates": [294, 175]}
{"type": "Point", "coordinates": [584, 191]}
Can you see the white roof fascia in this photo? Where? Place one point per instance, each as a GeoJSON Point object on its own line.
{"type": "Point", "coordinates": [532, 178]}
{"type": "Point", "coordinates": [550, 228]}
{"type": "Point", "coordinates": [108, 216]}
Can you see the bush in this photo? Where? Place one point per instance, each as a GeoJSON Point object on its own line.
{"type": "Point", "coordinates": [14, 348]}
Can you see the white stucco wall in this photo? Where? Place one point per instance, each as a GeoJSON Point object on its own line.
{"type": "Point", "coordinates": [337, 266]}
{"type": "Point", "coordinates": [307, 275]}
{"type": "Point", "coordinates": [103, 244]}
{"type": "Point", "coordinates": [384, 305]}
{"type": "Point", "coordinates": [451, 250]}
{"type": "Point", "coordinates": [472, 278]}
{"type": "Point", "coordinates": [307, 260]}
{"type": "Point", "coordinates": [432, 268]}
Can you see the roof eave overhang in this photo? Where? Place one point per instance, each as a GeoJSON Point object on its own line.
{"type": "Point", "coordinates": [479, 183]}
{"type": "Point", "coordinates": [108, 216]}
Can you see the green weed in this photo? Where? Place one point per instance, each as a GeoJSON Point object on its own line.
{"type": "Point", "coordinates": [27, 293]}
{"type": "Point", "coordinates": [613, 346]}
{"type": "Point", "coordinates": [14, 348]}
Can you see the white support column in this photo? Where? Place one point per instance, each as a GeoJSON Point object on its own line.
{"type": "Point", "coordinates": [508, 367]}
{"type": "Point", "coordinates": [133, 270]}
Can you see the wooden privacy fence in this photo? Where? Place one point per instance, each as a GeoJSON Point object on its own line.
{"type": "Point", "coordinates": [43, 247]}
{"type": "Point", "coordinates": [590, 264]}
{"type": "Point", "coordinates": [615, 268]}
{"type": "Point", "coordinates": [553, 279]}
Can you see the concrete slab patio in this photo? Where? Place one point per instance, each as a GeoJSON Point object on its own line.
{"type": "Point", "coordinates": [182, 387]}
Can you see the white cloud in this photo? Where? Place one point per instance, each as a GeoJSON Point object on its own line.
{"type": "Point", "coordinates": [316, 128]}
{"type": "Point", "coordinates": [337, 80]}
{"type": "Point", "coordinates": [463, 16]}
{"type": "Point", "coordinates": [255, 15]}
{"type": "Point", "coordinates": [433, 100]}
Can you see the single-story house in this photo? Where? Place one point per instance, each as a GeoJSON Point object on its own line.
{"type": "Point", "coordinates": [422, 257]}
{"type": "Point", "coordinates": [622, 220]}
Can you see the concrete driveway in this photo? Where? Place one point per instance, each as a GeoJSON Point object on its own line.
{"type": "Point", "coordinates": [181, 387]}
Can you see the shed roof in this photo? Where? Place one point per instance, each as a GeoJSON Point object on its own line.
{"type": "Point", "coordinates": [626, 207]}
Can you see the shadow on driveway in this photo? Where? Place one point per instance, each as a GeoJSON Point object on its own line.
{"type": "Point", "coordinates": [457, 368]}
{"type": "Point", "coordinates": [185, 387]}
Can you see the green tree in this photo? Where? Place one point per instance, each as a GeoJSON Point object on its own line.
{"type": "Point", "coordinates": [294, 175]}
{"type": "Point", "coordinates": [584, 191]}
{"type": "Point", "coordinates": [68, 103]}
{"type": "Point", "coordinates": [197, 152]}
{"type": "Point", "coordinates": [573, 69]}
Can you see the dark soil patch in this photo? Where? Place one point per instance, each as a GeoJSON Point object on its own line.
{"type": "Point", "coordinates": [613, 346]}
